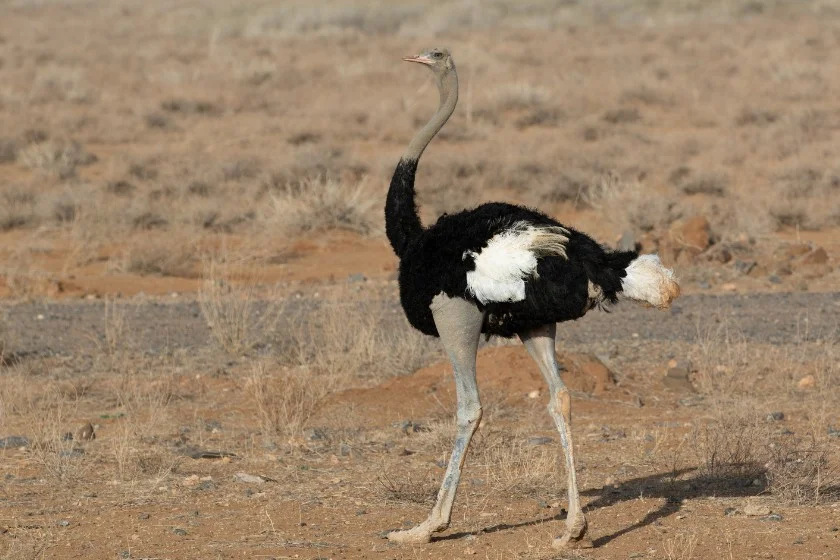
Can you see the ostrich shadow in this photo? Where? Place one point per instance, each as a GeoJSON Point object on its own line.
{"type": "Point", "coordinates": [670, 486]}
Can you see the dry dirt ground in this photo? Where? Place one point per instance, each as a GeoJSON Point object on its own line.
{"type": "Point", "coordinates": [192, 263]}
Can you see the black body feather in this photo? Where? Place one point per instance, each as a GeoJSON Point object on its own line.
{"type": "Point", "coordinates": [435, 260]}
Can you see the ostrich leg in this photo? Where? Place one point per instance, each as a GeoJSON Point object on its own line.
{"type": "Point", "coordinates": [540, 345]}
{"type": "Point", "coordinates": [459, 325]}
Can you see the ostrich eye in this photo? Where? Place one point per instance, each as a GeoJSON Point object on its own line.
{"type": "Point", "coordinates": [437, 55]}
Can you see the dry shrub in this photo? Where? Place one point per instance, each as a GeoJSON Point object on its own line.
{"type": "Point", "coordinates": [159, 258]}
{"type": "Point", "coordinates": [235, 305]}
{"type": "Point", "coordinates": [681, 546]}
{"type": "Point", "coordinates": [730, 448]}
{"type": "Point", "coordinates": [749, 116]}
{"type": "Point", "coordinates": [803, 470]}
{"type": "Point", "coordinates": [25, 541]}
{"type": "Point", "coordinates": [52, 445]}
{"type": "Point", "coordinates": [8, 150]}
{"type": "Point", "coordinates": [629, 205]}
{"type": "Point", "coordinates": [712, 184]}
{"type": "Point", "coordinates": [520, 95]}
{"type": "Point", "coordinates": [322, 203]}
{"type": "Point", "coordinates": [135, 459]}
{"type": "Point", "coordinates": [17, 209]}
{"type": "Point", "coordinates": [512, 466]}
{"type": "Point", "coordinates": [57, 84]}
{"type": "Point", "coordinates": [404, 487]}
{"type": "Point", "coordinates": [729, 365]}
{"type": "Point", "coordinates": [286, 399]}
{"type": "Point", "coordinates": [807, 198]}
{"type": "Point", "coordinates": [58, 158]}
{"type": "Point", "coordinates": [365, 340]}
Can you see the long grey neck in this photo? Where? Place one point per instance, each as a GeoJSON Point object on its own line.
{"type": "Point", "coordinates": [448, 87]}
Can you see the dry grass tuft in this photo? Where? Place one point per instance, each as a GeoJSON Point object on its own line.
{"type": "Point", "coordinates": [322, 203]}
{"type": "Point", "coordinates": [712, 184]}
{"type": "Point", "coordinates": [154, 258]}
{"type": "Point", "coordinates": [520, 95]}
{"type": "Point", "coordinates": [403, 487]}
{"type": "Point", "coordinates": [56, 158]}
{"type": "Point", "coordinates": [52, 445]}
{"type": "Point", "coordinates": [235, 305]}
{"type": "Point", "coordinates": [511, 466]}
{"type": "Point", "coordinates": [17, 209]}
{"type": "Point", "coordinates": [61, 84]}
{"type": "Point", "coordinates": [681, 546]}
{"type": "Point", "coordinates": [630, 205]}
{"type": "Point", "coordinates": [803, 470]}
{"type": "Point", "coordinates": [359, 339]}
{"type": "Point", "coordinates": [286, 399]}
{"type": "Point", "coordinates": [729, 449]}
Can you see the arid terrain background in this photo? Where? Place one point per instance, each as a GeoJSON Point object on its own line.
{"type": "Point", "coordinates": [202, 353]}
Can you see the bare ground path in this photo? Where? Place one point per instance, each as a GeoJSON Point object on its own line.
{"type": "Point", "coordinates": [67, 327]}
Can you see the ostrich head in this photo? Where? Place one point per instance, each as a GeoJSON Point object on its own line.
{"type": "Point", "coordinates": [438, 59]}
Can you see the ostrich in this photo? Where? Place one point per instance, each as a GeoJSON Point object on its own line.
{"type": "Point", "coordinates": [505, 270]}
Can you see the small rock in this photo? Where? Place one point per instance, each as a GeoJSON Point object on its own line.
{"type": "Point", "coordinates": [729, 287]}
{"type": "Point", "coordinates": [800, 540]}
{"type": "Point", "coordinates": [695, 232]}
{"type": "Point", "coordinates": [181, 532]}
{"type": "Point", "coordinates": [63, 523]}
{"type": "Point", "coordinates": [86, 433]}
{"type": "Point", "coordinates": [125, 554]}
{"type": "Point", "coordinates": [807, 382]}
{"type": "Point", "coordinates": [833, 432]}
{"type": "Point", "coordinates": [817, 256]}
{"type": "Point", "coordinates": [744, 266]}
{"type": "Point", "coordinates": [143, 516]}
{"type": "Point", "coordinates": [676, 379]}
{"type": "Point", "coordinates": [361, 512]}
{"type": "Point", "coordinates": [12, 442]}
{"type": "Point", "coordinates": [775, 416]}
{"type": "Point", "coordinates": [755, 510]}
{"type": "Point", "coordinates": [772, 517]}
{"type": "Point", "coordinates": [539, 440]}
{"type": "Point", "coordinates": [315, 434]}
{"type": "Point", "coordinates": [774, 279]}
{"type": "Point", "coordinates": [213, 426]}
{"type": "Point", "coordinates": [358, 277]}
{"type": "Point", "coordinates": [250, 478]}
{"type": "Point", "coordinates": [730, 512]}
{"type": "Point", "coordinates": [534, 394]}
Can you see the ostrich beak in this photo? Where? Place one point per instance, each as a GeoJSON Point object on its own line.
{"type": "Point", "coordinates": [419, 58]}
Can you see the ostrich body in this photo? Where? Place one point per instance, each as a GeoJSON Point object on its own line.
{"type": "Point", "coordinates": [506, 270]}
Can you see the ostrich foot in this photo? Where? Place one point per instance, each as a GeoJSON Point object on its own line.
{"type": "Point", "coordinates": [575, 536]}
{"type": "Point", "coordinates": [417, 535]}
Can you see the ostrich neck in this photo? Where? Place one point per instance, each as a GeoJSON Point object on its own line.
{"type": "Point", "coordinates": [448, 88]}
{"type": "Point", "coordinates": [402, 222]}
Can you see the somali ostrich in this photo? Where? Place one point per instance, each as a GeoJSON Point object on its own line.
{"type": "Point", "coordinates": [505, 270]}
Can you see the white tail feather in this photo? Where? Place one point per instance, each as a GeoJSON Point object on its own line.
{"type": "Point", "coordinates": [647, 280]}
